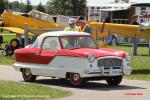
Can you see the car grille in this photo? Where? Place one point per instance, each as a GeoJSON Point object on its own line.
{"type": "Point", "coordinates": [109, 62]}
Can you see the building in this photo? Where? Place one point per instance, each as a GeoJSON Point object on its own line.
{"type": "Point", "coordinates": [119, 12]}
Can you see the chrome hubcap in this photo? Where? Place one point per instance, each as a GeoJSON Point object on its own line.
{"type": "Point", "coordinates": [27, 72]}
{"type": "Point", "coordinates": [76, 77]}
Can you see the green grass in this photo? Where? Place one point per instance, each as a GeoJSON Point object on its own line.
{"type": "Point", "coordinates": [6, 60]}
{"type": "Point", "coordinates": [9, 37]}
{"type": "Point", "coordinates": [139, 64]}
{"type": "Point", "coordinates": [29, 91]}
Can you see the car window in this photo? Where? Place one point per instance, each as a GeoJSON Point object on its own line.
{"type": "Point", "coordinates": [35, 44]}
{"type": "Point", "coordinates": [51, 43]}
{"type": "Point", "coordinates": [72, 42]}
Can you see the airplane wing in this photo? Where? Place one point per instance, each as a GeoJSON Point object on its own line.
{"type": "Point", "coordinates": [121, 29]}
{"type": "Point", "coordinates": [14, 30]}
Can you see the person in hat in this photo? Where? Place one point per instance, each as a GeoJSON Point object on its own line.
{"type": "Point", "coordinates": [72, 26]}
{"type": "Point", "coordinates": [83, 26]}
{"type": "Point", "coordinates": [135, 40]}
{"type": "Point", "coordinates": [134, 20]}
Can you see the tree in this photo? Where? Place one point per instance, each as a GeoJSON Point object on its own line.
{"type": "Point", "coordinates": [14, 5]}
{"type": "Point", "coordinates": [28, 7]}
{"type": "Point", "coordinates": [2, 6]}
{"type": "Point", "coordinates": [22, 7]}
{"type": "Point", "coordinates": [78, 7]}
{"type": "Point", "coordinates": [116, 1]}
{"type": "Point", "coordinates": [69, 7]}
{"type": "Point", "coordinates": [59, 6]}
{"type": "Point", "coordinates": [6, 4]}
{"type": "Point", "coordinates": [49, 8]}
{"type": "Point", "coordinates": [40, 8]}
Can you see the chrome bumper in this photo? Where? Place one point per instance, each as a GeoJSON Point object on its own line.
{"type": "Point", "coordinates": [108, 72]}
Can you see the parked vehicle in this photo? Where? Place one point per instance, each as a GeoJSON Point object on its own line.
{"type": "Point", "coordinates": [68, 55]}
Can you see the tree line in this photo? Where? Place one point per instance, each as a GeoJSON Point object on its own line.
{"type": "Point", "coordinates": [53, 7]}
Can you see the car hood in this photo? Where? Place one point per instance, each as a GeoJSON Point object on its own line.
{"type": "Point", "coordinates": [84, 52]}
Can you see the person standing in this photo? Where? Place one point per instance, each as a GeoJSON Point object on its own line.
{"type": "Point", "coordinates": [1, 41]}
{"type": "Point", "coordinates": [83, 26]}
{"type": "Point", "coordinates": [72, 26]}
{"type": "Point", "coordinates": [135, 40]}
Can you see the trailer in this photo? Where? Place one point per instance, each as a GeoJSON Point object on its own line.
{"type": "Point", "coordinates": [119, 13]}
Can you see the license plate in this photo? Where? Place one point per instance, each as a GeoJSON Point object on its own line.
{"type": "Point", "coordinates": [114, 72]}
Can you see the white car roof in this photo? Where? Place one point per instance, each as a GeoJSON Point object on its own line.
{"type": "Point", "coordinates": [63, 33]}
{"type": "Point", "coordinates": [40, 38]}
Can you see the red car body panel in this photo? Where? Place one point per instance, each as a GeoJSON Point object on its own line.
{"type": "Point", "coordinates": [39, 56]}
{"type": "Point", "coordinates": [34, 55]}
{"type": "Point", "coordinates": [84, 52]}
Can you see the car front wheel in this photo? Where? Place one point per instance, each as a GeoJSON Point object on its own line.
{"type": "Point", "coordinates": [115, 80]}
{"type": "Point", "coordinates": [27, 75]}
{"type": "Point", "coordinates": [75, 79]}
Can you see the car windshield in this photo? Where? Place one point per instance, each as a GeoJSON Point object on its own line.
{"type": "Point", "coordinates": [73, 42]}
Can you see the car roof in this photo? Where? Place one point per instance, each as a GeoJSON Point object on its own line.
{"type": "Point", "coordinates": [57, 34]}
{"type": "Point", "coordinates": [63, 33]}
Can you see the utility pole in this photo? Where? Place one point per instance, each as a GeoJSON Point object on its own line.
{"type": "Point", "coordinates": [20, 6]}
{"type": "Point", "coordinates": [5, 4]}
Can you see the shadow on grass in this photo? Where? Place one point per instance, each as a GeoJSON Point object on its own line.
{"type": "Point", "coordinates": [141, 71]}
{"type": "Point", "coordinates": [91, 85]}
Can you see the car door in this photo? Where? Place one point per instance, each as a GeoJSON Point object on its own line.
{"type": "Point", "coordinates": [50, 46]}
{"type": "Point", "coordinates": [49, 49]}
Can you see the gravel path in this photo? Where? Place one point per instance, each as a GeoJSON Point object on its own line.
{"type": "Point", "coordinates": [94, 90]}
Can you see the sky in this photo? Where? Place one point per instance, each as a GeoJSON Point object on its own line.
{"type": "Point", "coordinates": [36, 2]}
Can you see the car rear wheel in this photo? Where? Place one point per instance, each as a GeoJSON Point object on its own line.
{"type": "Point", "coordinates": [115, 80]}
{"type": "Point", "coordinates": [27, 75]}
{"type": "Point", "coordinates": [75, 79]}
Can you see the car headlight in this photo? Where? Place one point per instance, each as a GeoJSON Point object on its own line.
{"type": "Point", "coordinates": [128, 57]}
{"type": "Point", "coordinates": [91, 58]}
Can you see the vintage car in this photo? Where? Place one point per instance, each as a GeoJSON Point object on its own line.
{"type": "Point", "coordinates": [74, 56]}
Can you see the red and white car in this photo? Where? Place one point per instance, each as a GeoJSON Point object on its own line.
{"type": "Point", "coordinates": [74, 56]}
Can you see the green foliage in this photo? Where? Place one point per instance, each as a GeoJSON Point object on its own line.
{"type": "Point", "coordinates": [22, 7]}
{"type": "Point", "coordinates": [28, 7]}
{"type": "Point", "coordinates": [14, 6]}
{"type": "Point", "coordinates": [20, 91]}
{"type": "Point", "coordinates": [53, 7]}
{"type": "Point", "coordinates": [78, 7]}
{"type": "Point", "coordinates": [40, 8]}
{"type": "Point", "coordinates": [2, 6]}
{"type": "Point", "coordinates": [68, 7]}
{"type": "Point", "coordinates": [49, 8]}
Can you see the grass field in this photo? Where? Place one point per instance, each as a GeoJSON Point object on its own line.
{"type": "Point", "coordinates": [29, 91]}
{"type": "Point", "coordinates": [6, 60]}
{"type": "Point", "coordinates": [8, 36]}
{"type": "Point", "coordinates": [6, 39]}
